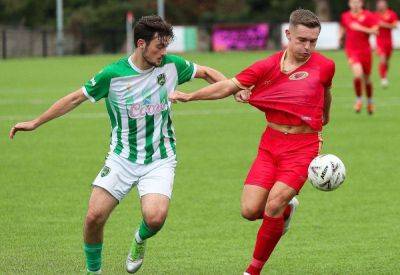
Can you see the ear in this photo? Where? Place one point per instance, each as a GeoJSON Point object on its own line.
{"type": "Point", "coordinates": [141, 43]}
{"type": "Point", "coordinates": [287, 33]}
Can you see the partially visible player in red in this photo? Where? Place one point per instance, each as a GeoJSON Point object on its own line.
{"type": "Point", "coordinates": [357, 25]}
{"type": "Point", "coordinates": [387, 20]}
{"type": "Point", "coordinates": [292, 88]}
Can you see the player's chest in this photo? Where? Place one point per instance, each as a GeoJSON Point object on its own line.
{"type": "Point", "coordinates": [151, 87]}
{"type": "Point", "coordinates": [298, 81]}
{"type": "Point", "coordinates": [360, 19]}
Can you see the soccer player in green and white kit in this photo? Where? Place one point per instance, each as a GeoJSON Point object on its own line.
{"type": "Point", "coordinates": [142, 149]}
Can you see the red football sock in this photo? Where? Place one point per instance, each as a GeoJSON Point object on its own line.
{"type": "Point", "coordinates": [286, 213]}
{"type": "Point", "coordinates": [383, 69]}
{"type": "Point", "coordinates": [268, 236]}
{"type": "Point", "coordinates": [369, 90]}
{"type": "Point", "coordinates": [357, 86]}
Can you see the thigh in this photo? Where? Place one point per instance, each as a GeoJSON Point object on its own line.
{"type": "Point", "coordinates": [293, 165]}
{"type": "Point", "coordinates": [366, 60]}
{"type": "Point", "coordinates": [357, 68]}
{"type": "Point", "coordinates": [101, 203]}
{"type": "Point", "coordinates": [117, 176]}
{"type": "Point", "coordinates": [253, 200]}
{"type": "Point", "coordinates": [263, 170]}
{"type": "Point", "coordinates": [158, 178]}
{"type": "Point", "coordinates": [278, 199]}
{"type": "Point", "coordinates": [154, 206]}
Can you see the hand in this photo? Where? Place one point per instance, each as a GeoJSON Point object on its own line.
{"type": "Point", "coordinates": [243, 96]}
{"type": "Point", "coordinates": [355, 26]}
{"type": "Point", "coordinates": [374, 31]}
{"type": "Point", "coordinates": [22, 126]}
{"type": "Point", "coordinates": [179, 96]}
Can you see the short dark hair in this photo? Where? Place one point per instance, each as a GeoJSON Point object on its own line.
{"type": "Point", "coordinates": [148, 26]}
{"type": "Point", "coordinates": [304, 17]}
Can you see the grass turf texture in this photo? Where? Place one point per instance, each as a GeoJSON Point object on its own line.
{"type": "Point", "coordinates": [45, 181]}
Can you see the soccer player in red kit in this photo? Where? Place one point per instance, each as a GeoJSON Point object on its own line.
{"type": "Point", "coordinates": [292, 88]}
{"type": "Point", "coordinates": [387, 20]}
{"type": "Point", "coordinates": [357, 25]}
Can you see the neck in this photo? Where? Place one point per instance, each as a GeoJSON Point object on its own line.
{"type": "Point", "coordinates": [139, 61]}
{"type": "Point", "coordinates": [292, 60]}
{"type": "Point", "coordinates": [356, 11]}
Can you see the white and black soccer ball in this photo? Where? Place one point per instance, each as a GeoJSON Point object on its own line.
{"type": "Point", "coordinates": [326, 172]}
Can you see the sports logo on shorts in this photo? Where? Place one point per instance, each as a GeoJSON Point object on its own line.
{"type": "Point", "coordinates": [106, 170]}
{"type": "Point", "coordinates": [298, 75]}
{"type": "Point", "coordinates": [161, 79]}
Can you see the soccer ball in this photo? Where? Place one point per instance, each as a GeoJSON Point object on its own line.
{"type": "Point", "coordinates": [326, 172]}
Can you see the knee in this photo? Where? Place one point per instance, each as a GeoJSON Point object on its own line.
{"type": "Point", "coordinates": [156, 220]}
{"type": "Point", "coordinates": [251, 213]}
{"type": "Point", "coordinates": [95, 219]}
{"type": "Point", "coordinates": [275, 207]}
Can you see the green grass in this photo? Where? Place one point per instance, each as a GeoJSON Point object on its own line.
{"type": "Point", "coordinates": [45, 179]}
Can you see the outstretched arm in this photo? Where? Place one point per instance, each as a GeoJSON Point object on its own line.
{"type": "Point", "coordinates": [209, 74]}
{"type": "Point", "coordinates": [61, 107]}
{"type": "Point", "coordinates": [214, 91]}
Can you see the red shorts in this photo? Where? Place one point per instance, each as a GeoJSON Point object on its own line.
{"type": "Point", "coordinates": [362, 57]}
{"type": "Point", "coordinates": [283, 157]}
{"type": "Point", "coordinates": [384, 49]}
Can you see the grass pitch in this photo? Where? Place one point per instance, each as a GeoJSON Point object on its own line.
{"type": "Point", "coordinates": [45, 179]}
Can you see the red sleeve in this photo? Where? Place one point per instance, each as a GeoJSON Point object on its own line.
{"type": "Point", "coordinates": [328, 73]}
{"type": "Point", "coordinates": [250, 76]}
{"type": "Point", "coordinates": [394, 17]}
{"type": "Point", "coordinates": [343, 20]}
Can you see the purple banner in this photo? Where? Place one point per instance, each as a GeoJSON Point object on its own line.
{"type": "Point", "coordinates": [240, 37]}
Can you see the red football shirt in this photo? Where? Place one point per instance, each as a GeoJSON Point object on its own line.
{"type": "Point", "coordinates": [299, 95]}
{"type": "Point", "coordinates": [357, 40]}
{"type": "Point", "coordinates": [385, 35]}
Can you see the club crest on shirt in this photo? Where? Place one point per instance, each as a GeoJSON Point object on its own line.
{"type": "Point", "coordinates": [298, 75]}
{"type": "Point", "coordinates": [161, 79]}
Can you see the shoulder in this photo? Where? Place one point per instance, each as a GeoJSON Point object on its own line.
{"type": "Point", "coordinates": [116, 68]}
{"type": "Point", "coordinates": [323, 60]}
{"type": "Point", "coordinates": [269, 61]}
{"type": "Point", "coordinates": [171, 58]}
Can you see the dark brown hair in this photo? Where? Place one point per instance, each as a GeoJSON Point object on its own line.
{"type": "Point", "coordinates": [304, 17]}
{"type": "Point", "coordinates": [148, 26]}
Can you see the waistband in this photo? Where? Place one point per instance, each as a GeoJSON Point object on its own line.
{"type": "Point", "coordinates": [278, 134]}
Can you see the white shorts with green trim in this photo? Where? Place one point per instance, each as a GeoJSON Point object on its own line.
{"type": "Point", "coordinates": [119, 175]}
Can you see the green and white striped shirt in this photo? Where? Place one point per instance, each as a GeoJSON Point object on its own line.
{"type": "Point", "coordinates": [138, 106]}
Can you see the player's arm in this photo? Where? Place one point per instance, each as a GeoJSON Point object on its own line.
{"type": "Point", "coordinates": [369, 30]}
{"type": "Point", "coordinates": [327, 105]}
{"type": "Point", "coordinates": [386, 25]}
{"type": "Point", "coordinates": [342, 33]}
{"type": "Point", "coordinates": [209, 74]}
{"type": "Point", "coordinates": [61, 107]}
{"type": "Point", "coordinates": [214, 91]}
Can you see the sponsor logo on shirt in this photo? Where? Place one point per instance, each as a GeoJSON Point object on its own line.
{"type": "Point", "coordinates": [139, 110]}
{"type": "Point", "coordinates": [298, 75]}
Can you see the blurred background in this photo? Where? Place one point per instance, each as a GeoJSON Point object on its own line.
{"type": "Point", "coordinates": [79, 27]}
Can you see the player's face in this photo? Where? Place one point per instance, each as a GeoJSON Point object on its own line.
{"type": "Point", "coordinates": [154, 51]}
{"type": "Point", "coordinates": [381, 5]}
{"type": "Point", "coordinates": [302, 41]}
{"type": "Point", "coordinates": [355, 5]}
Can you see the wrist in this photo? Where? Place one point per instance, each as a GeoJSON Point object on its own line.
{"type": "Point", "coordinates": [36, 123]}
